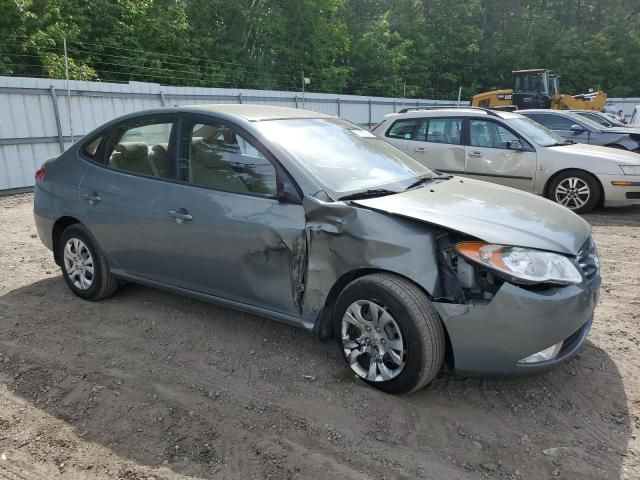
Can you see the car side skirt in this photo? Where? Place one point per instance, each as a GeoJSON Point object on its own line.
{"type": "Point", "coordinates": [281, 317]}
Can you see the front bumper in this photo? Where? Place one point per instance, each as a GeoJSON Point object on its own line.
{"type": "Point", "coordinates": [491, 339]}
{"type": "Point", "coordinates": [620, 196]}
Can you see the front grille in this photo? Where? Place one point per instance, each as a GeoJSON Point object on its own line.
{"type": "Point", "coordinates": [588, 260]}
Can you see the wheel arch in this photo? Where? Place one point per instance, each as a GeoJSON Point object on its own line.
{"type": "Point", "coordinates": [60, 226]}
{"type": "Point", "coordinates": [323, 328]}
{"type": "Point", "coordinates": [552, 178]}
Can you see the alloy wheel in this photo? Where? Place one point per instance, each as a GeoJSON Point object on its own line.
{"type": "Point", "coordinates": [78, 263]}
{"type": "Point", "coordinates": [372, 341]}
{"type": "Point", "coordinates": [573, 193]}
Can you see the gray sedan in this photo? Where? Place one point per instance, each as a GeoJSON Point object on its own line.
{"type": "Point", "coordinates": [311, 220]}
{"type": "Point", "coordinates": [578, 129]}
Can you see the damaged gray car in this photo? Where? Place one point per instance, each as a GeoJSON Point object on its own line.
{"type": "Point", "coordinates": [311, 220]}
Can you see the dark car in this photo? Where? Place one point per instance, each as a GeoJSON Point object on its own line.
{"type": "Point", "coordinates": [607, 120]}
{"type": "Point", "coordinates": [314, 221]}
{"type": "Point", "coordinates": [576, 128]}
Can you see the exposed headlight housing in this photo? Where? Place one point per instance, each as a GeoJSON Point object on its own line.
{"type": "Point", "coordinates": [522, 265]}
{"type": "Point", "coordinates": [630, 169]}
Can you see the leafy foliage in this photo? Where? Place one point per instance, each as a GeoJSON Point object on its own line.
{"type": "Point", "coordinates": [426, 48]}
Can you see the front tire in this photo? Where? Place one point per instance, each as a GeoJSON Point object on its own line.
{"type": "Point", "coordinates": [389, 333]}
{"type": "Point", "coordinates": [577, 190]}
{"type": "Point", "coordinates": [84, 265]}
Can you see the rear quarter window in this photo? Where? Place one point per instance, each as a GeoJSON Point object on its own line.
{"type": "Point", "coordinates": [90, 149]}
{"type": "Point", "coordinates": [402, 129]}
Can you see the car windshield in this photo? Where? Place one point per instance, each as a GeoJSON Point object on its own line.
{"type": "Point", "coordinates": [615, 122]}
{"type": "Point", "coordinates": [583, 120]}
{"type": "Point", "coordinates": [341, 155]}
{"type": "Point", "coordinates": [536, 132]}
{"type": "Point", "coordinates": [602, 119]}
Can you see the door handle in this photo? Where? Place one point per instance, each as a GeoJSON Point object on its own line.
{"type": "Point", "coordinates": [181, 215]}
{"type": "Point", "coordinates": [420, 149]}
{"type": "Point", "coordinates": [475, 154]}
{"type": "Point", "coordinates": [92, 197]}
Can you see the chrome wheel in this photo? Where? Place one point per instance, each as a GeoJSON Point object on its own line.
{"type": "Point", "coordinates": [78, 263]}
{"type": "Point", "coordinates": [372, 341]}
{"type": "Point", "coordinates": [573, 193]}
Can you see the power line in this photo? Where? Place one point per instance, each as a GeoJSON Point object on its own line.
{"type": "Point", "coordinates": [242, 69]}
{"type": "Point", "coordinates": [223, 72]}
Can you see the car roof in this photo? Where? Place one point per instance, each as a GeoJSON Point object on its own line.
{"type": "Point", "coordinates": [451, 112]}
{"type": "Point", "coordinates": [253, 113]}
{"type": "Point", "coordinates": [546, 110]}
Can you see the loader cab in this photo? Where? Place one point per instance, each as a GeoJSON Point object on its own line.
{"type": "Point", "coordinates": [554, 84]}
{"type": "Point", "coordinates": [534, 88]}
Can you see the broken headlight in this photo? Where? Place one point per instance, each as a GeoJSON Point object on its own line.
{"type": "Point", "coordinates": [522, 265]}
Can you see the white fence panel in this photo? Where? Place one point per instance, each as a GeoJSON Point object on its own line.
{"type": "Point", "coordinates": [625, 105]}
{"type": "Point", "coordinates": [38, 117]}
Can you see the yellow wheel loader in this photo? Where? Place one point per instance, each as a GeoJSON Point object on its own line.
{"type": "Point", "coordinates": [538, 88]}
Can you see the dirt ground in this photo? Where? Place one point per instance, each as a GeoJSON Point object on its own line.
{"type": "Point", "coordinates": [149, 385]}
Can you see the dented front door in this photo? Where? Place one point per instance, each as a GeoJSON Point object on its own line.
{"type": "Point", "coordinates": [244, 248]}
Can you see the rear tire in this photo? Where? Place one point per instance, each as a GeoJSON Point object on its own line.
{"type": "Point", "coordinates": [577, 190]}
{"type": "Point", "coordinates": [389, 333]}
{"type": "Point", "coordinates": [84, 265]}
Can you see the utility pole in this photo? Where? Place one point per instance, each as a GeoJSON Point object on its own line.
{"type": "Point", "coordinates": [459, 95]}
{"type": "Point", "coordinates": [305, 81]}
{"type": "Point", "coordinates": [66, 74]}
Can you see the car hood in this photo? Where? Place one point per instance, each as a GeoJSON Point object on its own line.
{"type": "Point", "coordinates": [489, 212]}
{"type": "Point", "coordinates": [631, 129]}
{"type": "Point", "coordinates": [618, 155]}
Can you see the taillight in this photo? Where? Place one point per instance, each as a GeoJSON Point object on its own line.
{"type": "Point", "coordinates": [39, 174]}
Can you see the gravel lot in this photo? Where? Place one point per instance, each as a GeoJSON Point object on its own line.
{"type": "Point", "coordinates": [149, 384]}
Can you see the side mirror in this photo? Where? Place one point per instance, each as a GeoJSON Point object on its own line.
{"type": "Point", "coordinates": [577, 128]}
{"type": "Point", "coordinates": [515, 145]}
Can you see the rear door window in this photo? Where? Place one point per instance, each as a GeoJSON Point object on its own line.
{"type": "Point", "coordinates": [440, 130]}
{"type": "Point", "coordinates": [142, 147]}
{"type": "Point", "coordinates": [553, 122]}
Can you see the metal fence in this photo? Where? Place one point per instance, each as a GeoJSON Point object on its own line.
{"type": "Point", "coordinates": [38, 117]}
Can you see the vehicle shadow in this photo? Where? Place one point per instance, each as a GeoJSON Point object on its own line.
{"type": "Point", "coordinates": [178, 385]}
{"type": "Point", "coordinates": [613, 217]}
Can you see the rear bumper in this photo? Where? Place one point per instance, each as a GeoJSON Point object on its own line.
{"type": "Point", "coordinates": [491, 339]}
{"type": "Point", "coordinates": [44, 220]}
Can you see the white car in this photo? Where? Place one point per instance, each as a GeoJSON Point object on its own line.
{"type": "Point", "coordinates": [512, 150]}
{"type": "Point", "coordinates": [635, 116]}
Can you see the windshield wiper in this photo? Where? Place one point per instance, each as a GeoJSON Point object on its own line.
{"type": "Point", "coordinates": [376, 192]}
{"type": "Point", "coordinates": [423, 180]}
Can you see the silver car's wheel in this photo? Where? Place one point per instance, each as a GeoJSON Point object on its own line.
{"type": "Point", "coordinates": [78, 263]}
{"type": "Point", "coordinates": [573, 192]}
{"type": "Point", "coordinates": [575, 189]}
{"type": "Point", "coordinates": [372, 341]}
